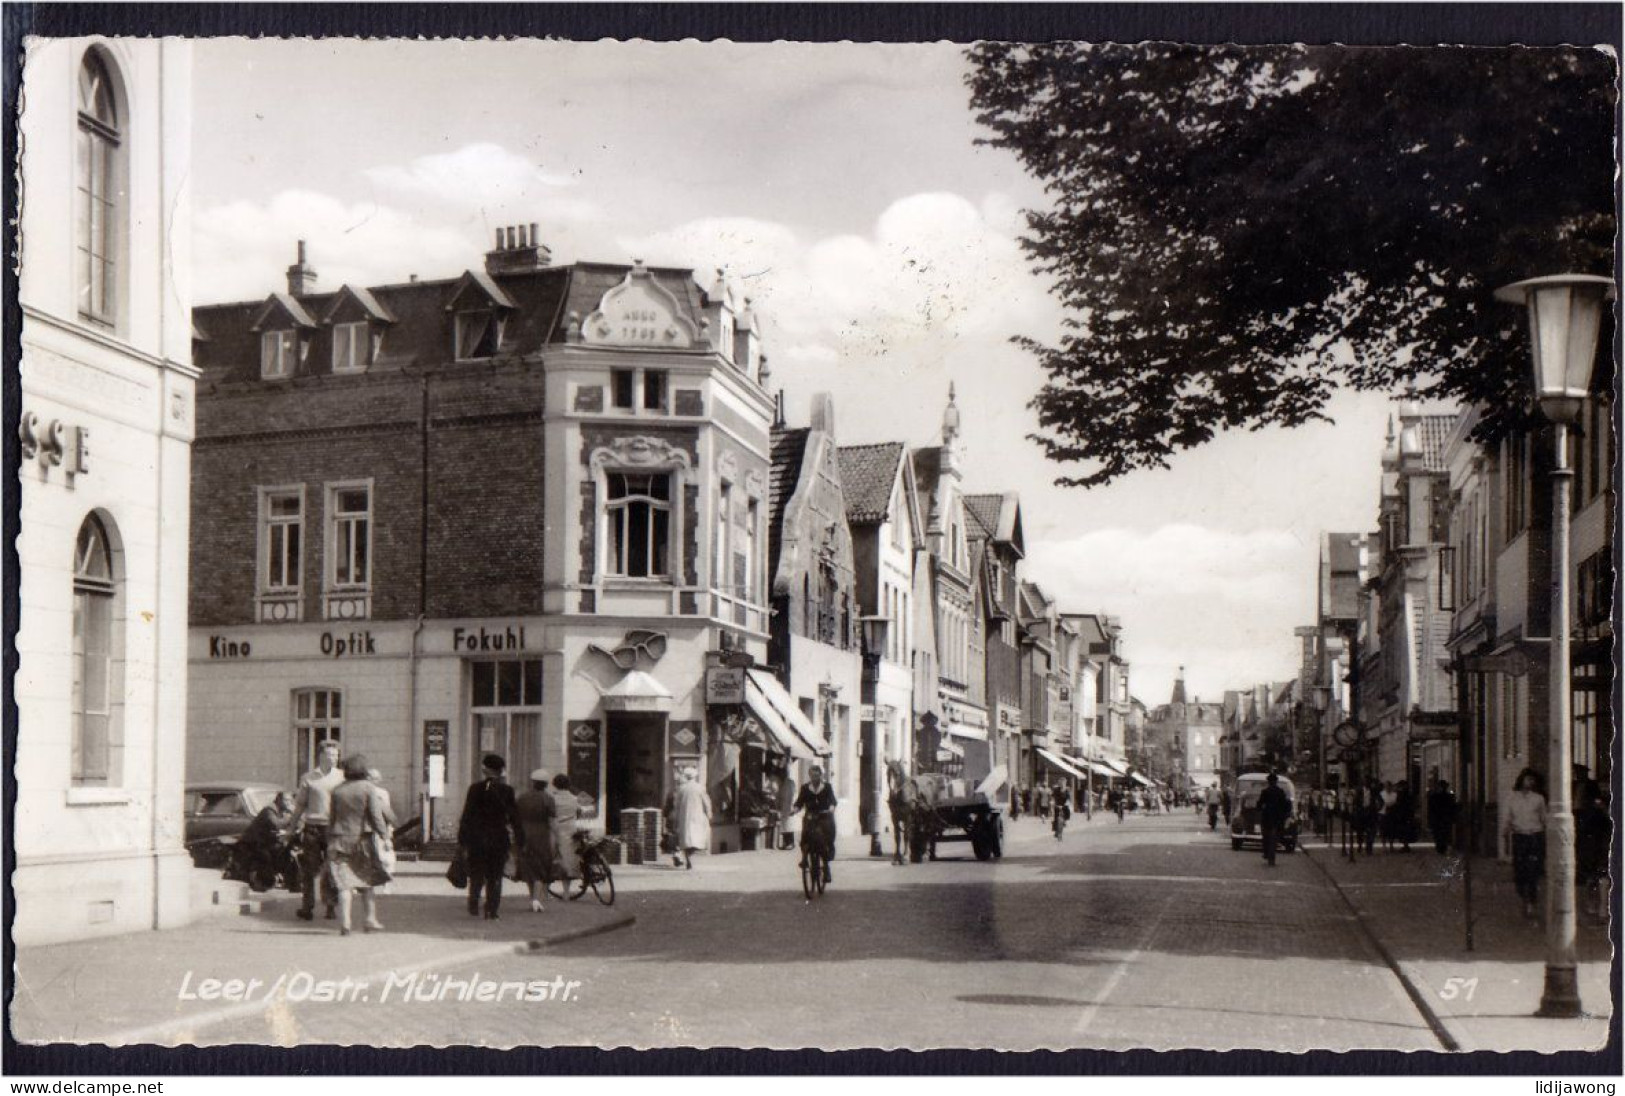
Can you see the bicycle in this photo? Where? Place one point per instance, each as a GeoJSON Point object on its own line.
{"type": "Point", "coordinates": [596, 875]}
{"type": "Point", "coordinates": [814, 868]}
{"type": "Point", "coordinates": [814, 860]}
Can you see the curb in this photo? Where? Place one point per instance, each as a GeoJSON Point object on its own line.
{"type": "Point", "coordinates": [184, 1031]}
{"type": "Point", "coordinates": [1441, 1030]}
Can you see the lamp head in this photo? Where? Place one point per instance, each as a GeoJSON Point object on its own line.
{"type": "Point", "coordinates": [1565, 315]}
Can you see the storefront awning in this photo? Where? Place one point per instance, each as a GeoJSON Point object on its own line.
{"type": "Point", "coordinates": [1117, 768]}
{"type": "Point", "coordinates": [1102, 770]}
{"type": "Point", "coordinates": [779, 713]}
{"type": "Point", "coordinates": [637, 692]}
{"type": "Point", "coordinates": [960, 730]}
{"type": "Point", "coordinates": [1138, 779]}
{"type": "Point", "coordinates": [1060, 763]}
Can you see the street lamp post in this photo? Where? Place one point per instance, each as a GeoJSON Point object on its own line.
{"type": "Point", "coordinates": [1565, 314]}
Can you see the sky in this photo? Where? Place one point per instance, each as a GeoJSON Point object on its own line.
{"type": "Point", "coordinates": [842, 189]}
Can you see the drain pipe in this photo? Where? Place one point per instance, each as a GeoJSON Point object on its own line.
{"type": "Point", "coordinates": [418, 747]}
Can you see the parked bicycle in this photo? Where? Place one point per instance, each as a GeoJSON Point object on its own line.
{"type": "Point", "coordinates": [593, 854]}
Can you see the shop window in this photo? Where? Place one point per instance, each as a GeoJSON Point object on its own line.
{"type": "Point", "coordinates": [318, 718]}
{"type": "Point", "coordinates": [638, 512]}
{"type": "Point", "coordinates": [1585, 726]}
{"type": "Point", "coordinates": [99, 206]}
{"type": "Point", "coordinates": [510, 683]}
{"type": "Point", "coordinates": [1594, 590]}
{"type": "Point", "coordinates": [282, 522]}
{"type": "Point", "coordinates": [352, 347]}
{"type": "Point", "coordinates": [503, 696]}
{"type": "Point", "coordinates": [479, 334]}
{"type": "Point", "coordinates": [279, 353]}
{"type": "Point", "coordinates": [97, 676]}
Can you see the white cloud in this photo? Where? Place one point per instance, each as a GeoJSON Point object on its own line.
{"type": "Point", "coordinates": [241, 249]}
{"type": "Point", "coordinates": [483, 176]}
{"type": "Point", "coordinates": [1220, 603]}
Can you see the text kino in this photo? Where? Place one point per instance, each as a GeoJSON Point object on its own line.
{"type": "Point", "coordinates": [509, 639]}
{"type": "Point", "coordinates": [221, 647]}
{"type": "Point", "coordinates": [356, 643]}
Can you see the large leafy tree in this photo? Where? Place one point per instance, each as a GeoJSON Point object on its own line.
{"type": "Point", "coordinates": [1238, 231]}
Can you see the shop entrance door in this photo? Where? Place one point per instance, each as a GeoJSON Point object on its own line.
{"type": "Point", "coordinates": [635, 763]}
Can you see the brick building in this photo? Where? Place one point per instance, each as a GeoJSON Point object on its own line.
{"type": "Point", "coordinates": [522, 509]}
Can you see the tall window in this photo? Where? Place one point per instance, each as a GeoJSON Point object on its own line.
{"type": "Point", "coordinates": [350, 513]}
{"type": "Point", "coordinates": [638, 509]}
{"type": "Point", "coordinates": [279, 351]}
{"type": "Point", "coordinates": [623, 384]}
{"type": "Point", "coordinates": [282, 523]}
{"type": "Point", "coordinates": [654, 389]}
{"type": "Point", "coordinates": [1517, 485]}
{"type": "Point", "coordinates": [318, 717]}
{"type": "Point", "coordinates": [351, 346]}
{"type": "Point", "coordinates": [347, 592]}
{"type": "Point", "coordinates": [724, 555]}
{"type": "Point", "coordinates": [97, 201]}
{"type": "Point", "coordinates": [752, 511]}
{"type": "Point", "coordinates": [93, 662]}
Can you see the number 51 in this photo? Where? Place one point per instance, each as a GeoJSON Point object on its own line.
{"type": "Point", "coordinates": [1459, 987]}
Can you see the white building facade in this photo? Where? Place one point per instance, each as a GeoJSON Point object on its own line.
{"type": "Point", "coordinates": [106, 429]}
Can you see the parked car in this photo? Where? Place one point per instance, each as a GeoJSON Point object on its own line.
{"type": "Point", "coordinates": [222, 809]}
{"type": "Point", "coordinates": [1244, 814]}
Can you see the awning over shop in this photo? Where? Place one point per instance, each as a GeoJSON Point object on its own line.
{"type": "Point", "coordinates": [1102, 770]}
{"type": "Point", "coordinates": [637, 692]}
{"type": "Point", "coordinates": [960, 730]}
{"type": "Point", "coordinates": [782, 717]}
{"type": "Point", "coordinates": [1117, 769]}
{"type": "Point", "coordinates": [1141, 780]}
{"type": "Point", "coordinates": [1060, 763]}
{"type": "Point", "coordinates": [950, 748]}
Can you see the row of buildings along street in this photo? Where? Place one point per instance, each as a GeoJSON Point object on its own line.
{"type": "Point", "coordinates": [548, 511]}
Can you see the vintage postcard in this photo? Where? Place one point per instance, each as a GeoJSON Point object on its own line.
{"type": "Point", "coordinates": [1052, 546]}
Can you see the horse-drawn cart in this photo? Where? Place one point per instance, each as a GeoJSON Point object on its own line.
{"type": "Point", "coordinates": [930, 808]}
{"type": "Point", "coordinates": [970, 818]}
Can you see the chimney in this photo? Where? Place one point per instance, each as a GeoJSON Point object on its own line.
{"type": "Point", "coordinates": [301, 276]}
{"type": "Point", "coordinates": [518, 251]}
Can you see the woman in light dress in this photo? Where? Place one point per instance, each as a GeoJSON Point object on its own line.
{"type": "Point", "coordinates": [691, 810]}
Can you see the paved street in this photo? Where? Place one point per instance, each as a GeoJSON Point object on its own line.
{"type": "Point", "coordinates": [1148, 933]}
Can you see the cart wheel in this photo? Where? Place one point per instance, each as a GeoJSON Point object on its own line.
{"type": "Point", "coordinates": [916, 848]}
{"type": "Point", "coordinates": [1235, 843]}
{"type": "Point", "coordinates": [997, 838]}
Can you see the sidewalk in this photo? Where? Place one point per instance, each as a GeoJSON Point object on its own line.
{"type": "Point", "coordinates": [150, 987]}
{"type": "Point", "coordinates": [1485, 999]}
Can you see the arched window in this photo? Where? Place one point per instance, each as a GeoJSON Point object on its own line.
{"type": "Point", "coordinates": [95, 676]}
{"type": "Point", "coordinates": [97, 209]}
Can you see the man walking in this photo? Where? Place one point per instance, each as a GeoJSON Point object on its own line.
{"type": "Point", "coordinates": [312, 811]}
{"type": "Point", "coordinates": [1441, 815]}
{"type": "Point", "coordinates": [1274, 808]}
{"type": "Point", "coordinates": [490, 814]}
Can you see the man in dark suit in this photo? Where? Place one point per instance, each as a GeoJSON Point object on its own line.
{"type": "Point", "coordinates": [1274, 808]}
{"type": "Point", "coordinates": [489, 815]}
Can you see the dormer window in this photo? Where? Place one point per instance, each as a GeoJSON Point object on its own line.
{"type": "Point", "coordinates": [352, 347]}
{"type": "Point", "coordinates": [279, 352]}
{"type": "Point", "coordinates": [479, 334]}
